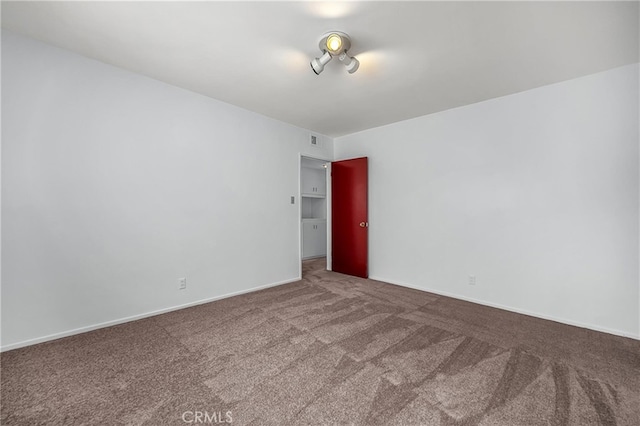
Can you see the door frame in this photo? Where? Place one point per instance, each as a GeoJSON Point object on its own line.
{"type": "Point", "coordinates": [328, 207]}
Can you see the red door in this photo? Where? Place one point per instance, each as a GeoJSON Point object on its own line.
{"type": "Point", "coordinates": [349, 219]}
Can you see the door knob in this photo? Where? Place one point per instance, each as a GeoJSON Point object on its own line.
{"type": "Point", "coordinates": [364, 225]}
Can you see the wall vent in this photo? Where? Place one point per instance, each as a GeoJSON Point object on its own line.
{"type": "Point", "coordinates": [314, 140]}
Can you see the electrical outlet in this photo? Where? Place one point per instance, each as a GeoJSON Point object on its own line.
{"type": "Point", "coordinates": [293, 199]}
{"type": "Point", "coordinates": [472, 280]}
{"type": "Point", "coordinates": [182, 283]}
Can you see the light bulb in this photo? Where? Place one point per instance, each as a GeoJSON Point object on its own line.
{"type": "Point", "coordinates": [334, 42]}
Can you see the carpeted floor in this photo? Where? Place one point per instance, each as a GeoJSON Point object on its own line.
{"type": "Point", "coordinates": [330, 349]}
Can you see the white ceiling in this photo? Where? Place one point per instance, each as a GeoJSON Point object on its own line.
{"type": "Point", "coordinates": [416, 57]}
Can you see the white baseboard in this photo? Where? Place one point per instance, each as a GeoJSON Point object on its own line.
{"type": "Point", "coordinates": [511, 309]}
{"type": "Point", "coordinates": [314, 257]}
{"type": "Point", "coordinates": [136, 317]}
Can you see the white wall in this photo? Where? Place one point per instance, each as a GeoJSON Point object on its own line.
{"type": "Point", "coordinates": [115, 185]}
{"type": "Point", "coordinates": [535, 193]}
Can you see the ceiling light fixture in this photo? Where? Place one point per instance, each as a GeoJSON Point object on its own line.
{"type": "Point", "coordinates": [335, 43]}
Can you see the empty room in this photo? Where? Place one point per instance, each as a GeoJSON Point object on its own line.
{"type": "Point", "coordinates": [320, 213]}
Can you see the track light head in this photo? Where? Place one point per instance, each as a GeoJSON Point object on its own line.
{"type": "Point", "coordinates": [335, 43]}
{"type": "Point", "coordinates": [350, 62]}
{"type": "Point", "coordinates": [317, 64]}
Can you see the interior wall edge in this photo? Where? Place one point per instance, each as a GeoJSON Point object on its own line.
{"type": "Point", "coordinates": [565, 321]}
{"type": "Point", "coordinates": [81, 330]}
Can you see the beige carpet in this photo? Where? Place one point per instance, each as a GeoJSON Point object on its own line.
{"type": "Point", "coordinates": [330, 349]}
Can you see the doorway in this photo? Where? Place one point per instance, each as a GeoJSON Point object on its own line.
{"type": "Point", "coordinates": [314, 207]}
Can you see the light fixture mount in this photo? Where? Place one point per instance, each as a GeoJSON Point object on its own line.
{"type": "Point", "coordinates": [335, 43]}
